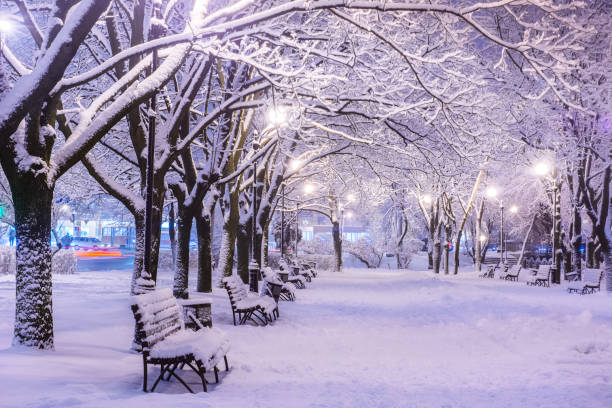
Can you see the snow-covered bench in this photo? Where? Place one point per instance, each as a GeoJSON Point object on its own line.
{"type": "Point", "coordinates": [296, 279]}
{"type": "Point", "coordinates": [310, 267]}
{"type": "Point", "coordinates": [490, 272]}
{"type": "Point", "coordinates": [591, 281]}
{"type": "Point", "coordinates": [512, 273]}
{"type": "Point", "coordinates": [287, 290]}
{"type": "Point", "coordinates": [257, 309]}
{"type": "Point", "coordinates": [291, 266]}
{"type": "Point", "coordinates": [165, 341]}
{"type": "Point", "coordinates": [541, 278]}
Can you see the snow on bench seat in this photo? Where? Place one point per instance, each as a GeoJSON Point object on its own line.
{"type": "Point", "coordinates": [208, 345]}
{"type": "Point", "coordinates": [591, 281]}
{"type": "Point", "coordinates": [257, 309]}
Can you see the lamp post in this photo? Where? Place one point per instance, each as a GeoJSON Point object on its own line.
{"type": "Point", "coordinates": [282, 247]}
{"type": "Point", "coordinates": [492, 193]}
{"type": "Point", "coordinates": [297, 225]}
{"type": "Point", "coordinates": [254, 265]}
{"type": "Point", "coordinates": [543, 169]}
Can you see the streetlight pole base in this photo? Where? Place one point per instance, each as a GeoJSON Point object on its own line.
{"type": "Point", "coordinates": [254, 276]}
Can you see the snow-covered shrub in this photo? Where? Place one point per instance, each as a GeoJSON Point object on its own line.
{"type": "Point", "coordinates": [365, 251]}
{"type": "Point", "coordinates": [324, 262]}
{"type": "Point", "coordinates": [64, 262]}
{"type": "Point", "coordinates": [407, 250]}
{"type": "Point", "coordinates": [7, 260]}
{"type": "Point", "coordinates": [165, 259]}
{"type": "Point", "coordinates": [316, 247]}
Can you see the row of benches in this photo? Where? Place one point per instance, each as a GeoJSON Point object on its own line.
{"type": "Point", "coordinates": [590, 283]}
{"type": "Point", "coordinates": [166, 342]}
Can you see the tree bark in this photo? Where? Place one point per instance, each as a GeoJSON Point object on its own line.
{"type": "Point", "coordinates": [181, 272]}
{"type": "Point", "coordinates": [33, 201]}
{"type": "Point", "coordinates": [526, 239]}
{"type": "Point", "coordinates": [337, 246]}
{"type": "Point", "coordinates": [576, 242]}
{"type": "Point", "coordinates": [590, 250]}
{"type": "Point", "coordinates": [477, 241]}
{"type": "Point", "coordinates": [172, 234]}
{"type": "Point", "coordinates": [265, 255]}
{"type": "Point", "coordinates": [447, 235]}
{"type": "Point", "coordinates": [243, 244]}
{"type": "Point", "coordinates": [230, 227]}
{"type": "Point", "coordinates": [204, 231]}
{"type": "Point", "coordinates": [437, 249]}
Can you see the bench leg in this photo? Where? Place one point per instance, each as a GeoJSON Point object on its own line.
{"type": "Point", "coordinates": [216, 370]}
{"type": "Point", "coordinates": [201, 370]}
{"type": "Point", "coordinates": [226, 365]}
{"type": "Point", "coordinates": [144, 382]}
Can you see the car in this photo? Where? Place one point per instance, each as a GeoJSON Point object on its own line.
{"type": "Point", "coordinates": [87, 242]}
{"type": "Point", "coordinates": [92, 247]}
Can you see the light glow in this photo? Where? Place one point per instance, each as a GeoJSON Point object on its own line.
{"type": "Point", "coordinates": [492, 192]}
{"type": "Point", "coordinates": [6, 25]}
{"type": "Point", "coordinates": [426, 199]}
{"type": "Point", "coordinates": [483, 238]}
{"type": "Point", "coordinates": [350, 198]}
{"type": "Point", "coordinates": [514, 209]}
{"type": "Point", "coordinates": [308, 188]}
{"type": "Point", "coordinates": [295, 164]}
{"type": "Point", "coordinates": [277, 116]}
{"type": "Point", "coordinates": [541, 168]}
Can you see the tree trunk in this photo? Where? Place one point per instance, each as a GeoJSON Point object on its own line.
{"type": "Point", "coordinates": [597, 257]}
{"type": "Point", "coordinates": [33, 200]}
{"type": "Point", "coordinates": [258, 247]}
{"type": "Point", "coordinates": [607, 253]}
{"type": "Point", "coordinates": [140, 283]}
{"type": "Point", "coordinates": [526, 239]}
{"type": "Point", "coordinates": [228, 240]}
{"type": "Point", "coordinates": [139, 223]}
{"type": "Point", "coordinates": [265, 256]}
{"type": "Point", "coordinates": [171, 234]}
{"type": "Point", "coordinates": [447, 234]}
{"type": "Point", "coordinates": [204, 231]}
{"type": "Point", "coordinates": [477, 241]}
{"type": "Point", "coordinates": [337, 246]}
{"type": "Point", "coordinates": [590, 250]}
{"type": "Point", "coordinates": [437, 249]}
{"type": "Point", "coordinates": [576, 242]}
{"type": "Point", "coordinates": [243, 244]}
{"type": "Point", "coordinates": [181, 272]}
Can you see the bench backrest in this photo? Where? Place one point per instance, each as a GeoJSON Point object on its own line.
{"type": "Point", "coordinates": [236, 289]}
{"type": "Point", "coordinates": [271, 276]}
{"type": "Point", "coordinates": [157, 315]}
{"type": "Point", "coordinates": [514, 270]}
{"type": "Point", "coordinates": [592, 276]}
{"type": "Point", "coordinates": [543, 271]}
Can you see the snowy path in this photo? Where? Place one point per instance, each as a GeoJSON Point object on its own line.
{"type": "Point", "coordinates": [356, 339]}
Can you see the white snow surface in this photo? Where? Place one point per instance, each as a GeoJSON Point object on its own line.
{"type": "Point", "coordinates": [359, 338]}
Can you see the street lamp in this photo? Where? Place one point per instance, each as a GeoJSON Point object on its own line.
{"type": "Point", "coordinates": [277, 116]}
{"type": "Point", "coordinates": [546, 171]}
{"type": "Point", "coordinates": [254, 265]}
{"type": "Point", "coordinates": [492, 193]}
{"type": "Point", "coordinates": [308, 189]}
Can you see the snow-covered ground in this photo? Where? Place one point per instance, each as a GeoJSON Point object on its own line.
{"type": "Point", "coordinates": [361, 338]}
